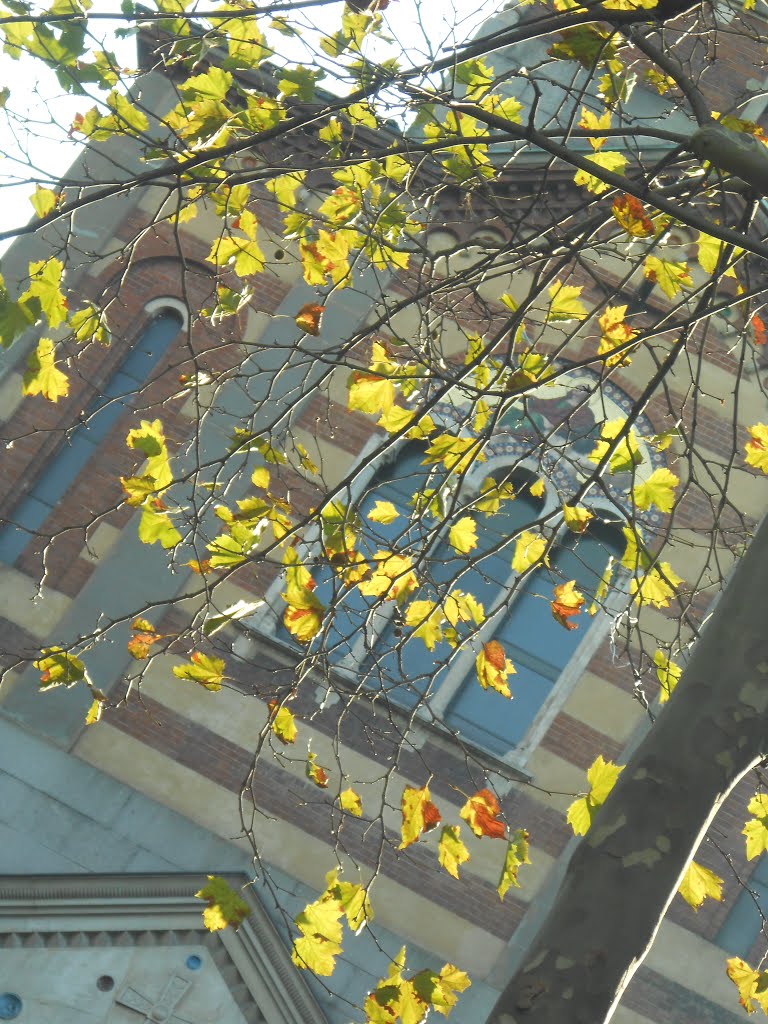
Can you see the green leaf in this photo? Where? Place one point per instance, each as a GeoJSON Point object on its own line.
{"type": "Point", "coordinates": [225, 906]}
{"type": "Point", "coordinates": [42, 376]}
{"type": "Point", "coordinates": [204, 669]}
{"type": "Point", "coordinates": [155, 527]}
{"type": "Point", "coordinates": [45, 279]}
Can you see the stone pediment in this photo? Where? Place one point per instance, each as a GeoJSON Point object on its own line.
{"type": "Point", "coordinates": [132, 949]}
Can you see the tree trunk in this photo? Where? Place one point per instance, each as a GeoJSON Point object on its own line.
{"type": "Point", "coordinates": [627, 869]}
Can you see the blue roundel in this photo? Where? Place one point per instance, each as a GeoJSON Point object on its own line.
{"type": "Point", "coordinates": [10, 1006]}
{"type": "Point", "coordinates": [194, 962]}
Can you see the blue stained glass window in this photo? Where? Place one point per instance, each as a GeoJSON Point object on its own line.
{"type": "Point", "coordinates": [536, 644]}
{"type": "Point", "coordinates": [55, 478]}
{"type": "Point", "coordinates": [742, 926]}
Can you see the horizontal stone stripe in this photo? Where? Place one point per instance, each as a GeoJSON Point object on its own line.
{"type": "Point", "coordinates": [229, 765]}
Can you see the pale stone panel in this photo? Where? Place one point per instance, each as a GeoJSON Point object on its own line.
{"type": "Point", "coordinates": [20, 601]}
{"type": "Point", "coordinates": [555, 780]}
{"type": "Point", "coordinates": [604, 707]}
{"type": "Point", "coordinates": [623, 1016]}
{"type": "Point", "coordinates": [161, 778]}
{"type": "Point", "coordinates": [689, 959]}
{"type": "Point", "coordinates": [11, 395]}
{"type": "Point", "coordinates": [100, 542]}
{"type": "Point", "coordinates": [241, 719]}
{"type": "Point", "coordinates": [289, 848]}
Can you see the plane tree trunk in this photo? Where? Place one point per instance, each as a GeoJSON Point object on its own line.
{"type": "Point", "coordinates": [624, 873]}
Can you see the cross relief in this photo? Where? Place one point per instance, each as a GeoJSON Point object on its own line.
{"type": "Point", "coordinates": [159, 1011]}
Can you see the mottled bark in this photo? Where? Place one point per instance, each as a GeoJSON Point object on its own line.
{"type": "Point", "coordinates": [627, 869]}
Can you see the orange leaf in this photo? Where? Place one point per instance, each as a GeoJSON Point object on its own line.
{"type": "Point", "coordinates": [140, 643]}
{"type": "Point", "coordinates": [481, 812]}
{"type": "Point", "coordinates": [309, 318]}
{"type": "Point", "coordinates": [419, 814]}
{"type": "Point", "coordinates": [758, 330]}
{"type": "Point", "coordinates": [631, 215]}
{"type": "Point", "coordinates": [493, 667]}
{"type": "Point", "coordinates": [318, 775]}
{"type": "Point", "coordinates": [200, 568]}
{"type": "Point", "coordinates": [568, 602]}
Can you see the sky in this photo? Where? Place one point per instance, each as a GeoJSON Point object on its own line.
{"type": "Point", "coordinates": [34, 126]}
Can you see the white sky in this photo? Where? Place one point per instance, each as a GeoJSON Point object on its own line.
{"type": "Point", "coordinates": [34, 143]}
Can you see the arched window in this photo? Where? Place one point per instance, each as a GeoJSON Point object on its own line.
{"type": "Point", "coordinates": [370, 639]}
{"type": "Point", "coordinates": [61, 469]}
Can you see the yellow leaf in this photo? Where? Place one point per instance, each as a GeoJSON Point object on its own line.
{"type": "Point", "coordinates": [350, 802]}
{"type": "Point", "coordinates": [452, 852]}
{"type": "Point", "coordinates": [668, 275]}
{"type": "Point", "coordinates": [613, 162]}
{"type": "Point", "coordinates": [283, 724]}
{"type": "Point", "coordinates": [756, 830]}
{"type": "Point", "coordinates": [658, 490]}
{"type": "Point", "coordinates": [463, 535]}
{"type": "Point", "coordinates": [370, 394]}
{"type": "Point", "coordinates": [615, 332]}
{"type": "Point", "coordinates": [224, 908]}
{"type": "Point", "coordinates": [656, 587]}
{"type": "Point", "coordinates": [321, 929]}
{"type": "Point", "coordinates": [699, 883]}
{"type": "Point", "coordinates": [529, 549]}
{"type": "Point", "coordinates": [752, 985]}
{"type": "Point", "coordinates": [493, 666]}
{"type": "Point", "coordinates": [576, 518]}
{"type": "Point", "coordinates": [601, 777]}
{"type": "Point", "coordinates": [392, 579]}
{"type": "Point", "coordinates": [625, 454]}
{"type": "Point", "coordinates": [395, 419]}
{"type": "Point", "coordinates": [204, 669]}
{"type": "Point", "coordinates": [537, 489]}
{"type": "Point", "coordinates": [260, 478]}
{"type": "Point", "coordinates": [668, 673]}
{"type": "Point", "coordinates": [94, 712]}
{"type": "Point", "coordinates": [516, 856]}
{"type": "Point", "coordinates": [564, 303]}
{"type": "Point", "coordinates": [426, 619]}
{"type": "Point", "coordinates": [419, 814]}
{"type": "Point", "coordinates": [568, 602]}
{"type": "Point", "coordinates": [595, 123]}
{"type": "Point", "coordinates": [314, 772]}
{"type": "Point", "coordinates": [482, 814]}
{"type": "Point", "coordinates": [42, 376]}
{"type": "Point", "coordinates": [383, 512]}
{"type": "Point", "coordinates": [757, 449]}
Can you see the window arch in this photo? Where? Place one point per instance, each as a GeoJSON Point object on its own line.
{"type": "Point", "coordinates": [61, 469]}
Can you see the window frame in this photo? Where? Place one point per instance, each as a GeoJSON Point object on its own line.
{"type": "Point", "coordinates": [347, 667]}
